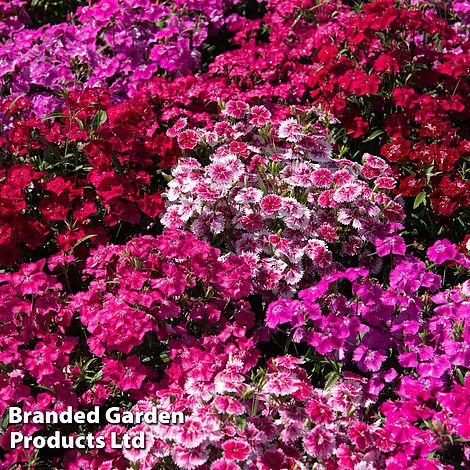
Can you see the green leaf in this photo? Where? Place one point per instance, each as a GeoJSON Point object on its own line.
{"type": "Point", "coordinates": [84, 239]}
{"type": "Point", "coordinates": [100, 118]}
{"type": "Point", "coordinates": [55, 115]}
{"type": "Point", "coordinates": [420, 199]}
{"type": "Point", "coordinates": [374, 135]}
{"type": "Point", "coordinates": [262, 185]}
{"type": "Point", "coordinates": [10, 107]}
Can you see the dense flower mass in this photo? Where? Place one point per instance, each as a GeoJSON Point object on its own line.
{"type": "Point", "coordinates": [116, 43]}
{"type": "Point", "coordinates": [251, 213]}
{"type": "Point", "coordinates": [275, 195]}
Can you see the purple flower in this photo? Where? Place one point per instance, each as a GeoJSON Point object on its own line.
{"type": "Point", "coordinates": [281, 311]}
{"type": "Point", "coordinates": [393, 244]}
{"type": "Point", "coordinates": [442, 250]}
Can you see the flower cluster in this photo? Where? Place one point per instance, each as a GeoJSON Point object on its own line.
{"type": "Point", "coordinates": [275, 195]}
{"type": "Point", "coordinates": [410, 338]}
{"type": "Point", "coordinates": [117, 43]}
{"type": "Point", "coordinates": [389, 79]}
{"type": "Point", "coordinates": [60, 350]}
{"type": "Point", "coordinates": [82, 175]}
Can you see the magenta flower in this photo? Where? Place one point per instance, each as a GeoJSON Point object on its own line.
{"type": "Point", "coordinates": [442, 250]}
{"type": "Point", "coordinates": [394, 244]}
{"type": "Point", "coordinates": [236, 449]}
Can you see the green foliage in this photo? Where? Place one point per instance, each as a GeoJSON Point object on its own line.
{"type": "Point", "coordinates": [52, 11]}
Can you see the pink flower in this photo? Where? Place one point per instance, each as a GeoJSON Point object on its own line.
{"type": "Point", "coordinates": [368, 359]}
{"type": "Point", "coordinates": [236, 108]}
{"type": "Point", "coordinates": [127, 375]}
{"type": "Point", "coordinates": [189, 458]}
{"type": "Point", "coordinates": [223, 464]}
{"type": "Point", "coordinates": [322, 178]}
{"type": "Point", "coordinates": [347, 193]}
{"type": "Point", "coordinates": [236, 449]}
{"type": "Point", "coordinates": [191, 434]}
{"type": "Point", "coordinates": [280, 312]}
{"type": "Point", "coordinates": [393, 244]}
{"type": "Point", "coordinates": [271, 203]}
{"type": "Point", "coordinates": [442, 250]}
{"type": "Point", "coordinates": [290, 130]}
{"type": "Point", "coordinates": [281, 384]}
{"type": "Point", "coordinates": [188, 139]}
{"type": "Point", "coordinates": [259, 116]}
{"type": "Point", "coordinates": [319, 442]}
{"type": "Point", "coordinates": [226, 404]}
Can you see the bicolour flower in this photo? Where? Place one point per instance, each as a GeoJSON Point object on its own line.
{"type": "Point", "coordinates": [259, 116]}
{"type": "Point", "coordinates": [290, 130]}
{"type": "Point", "coordinates": [319, 442]}
{"type": "Point", "coordinates": [236, 449]}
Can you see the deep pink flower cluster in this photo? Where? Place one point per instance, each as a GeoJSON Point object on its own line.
{"type": "Point", "coordinates": [140, 297]}
{"type": "Point", "coordinates": [270, 191]}
{"type": "Point", "coordinates": [139, 288]}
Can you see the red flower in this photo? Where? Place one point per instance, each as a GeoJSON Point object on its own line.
{"type": "Point", "coordinates": [386, 63]}
{"type": "Point", "coordinates": [396, 151]}
{"type": "Point", "coordinates": [151, 204]}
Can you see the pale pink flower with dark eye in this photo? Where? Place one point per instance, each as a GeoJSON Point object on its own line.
{"type": "Point", "coordinates": [301, 175]}
{"type": "Point", "coordinates": [319, 442]}
{"type": "Point", "coordinates": [226, 404]}
{"type": "Point", "coordinates": [343, 177]}
{"type": "Point", "coordinates": [290, 130]}
{"type": "Point", "coordinates": [187, 208]}
{"type": "Point", "coordinates": [137, 455]}
{"type": "Point", "coordinates": [236, 108]}
{"type": "Point", "coordinates": [236, 449]}
{"type": "Point", "coordinates": [189, 458]}
{"type": "Point", "coordinates": [220, 173]}
{"type": "Point", "coordinates": [249, 196]}
{"type": "Point", "coordinates": [290, 207]}
{"type": "Point", "coordinates": [190, 434]}
{"type": "Point", "coordinates": [322, 178]}
{"type": "Point", "coordinates": [280, 384]}
{"type": "Point", "coordinates": [442, 250]}
{"type": "Point", "coordinates": [271, 204]}
{"type": "Point", "coordinates": [386, 182]}
{"type": "Point", "coordinates": [347, 193]}
{"type": "Point", "coordinates": [259, 116]}
{"type": "Point", "coordinates": [188, 139]}
{"type": "Point", "coordinates": [211, 138]}
{"type": "Point", "coordinates": [344, 395]}
{"type": "Point", "coordinates": [172, 218]}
